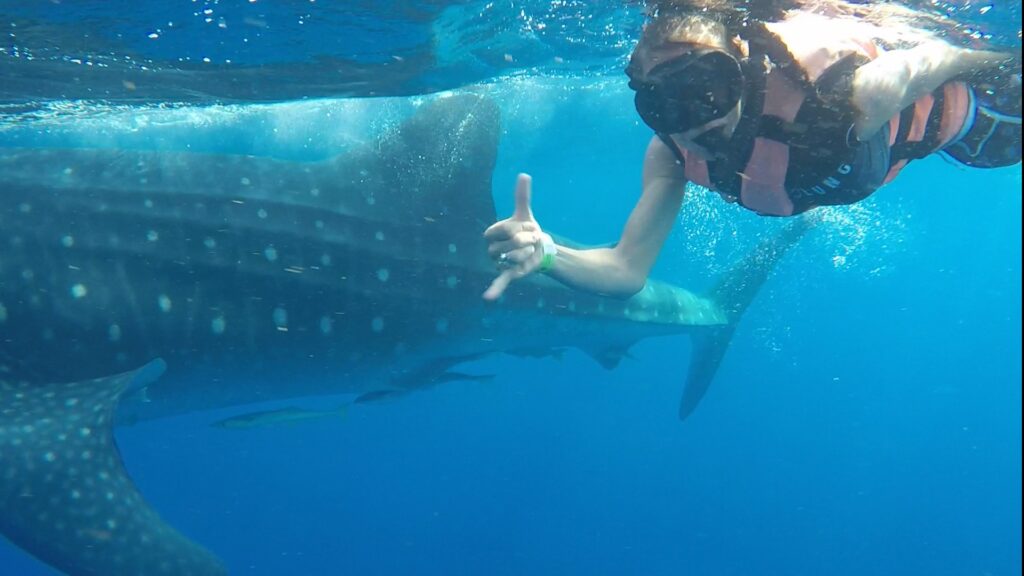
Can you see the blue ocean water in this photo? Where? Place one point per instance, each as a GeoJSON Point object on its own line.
{"type": "Point", "coordinates": [866, 419]}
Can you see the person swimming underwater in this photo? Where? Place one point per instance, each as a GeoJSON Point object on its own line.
{"type": "Point", "coordinates": [781, 110]}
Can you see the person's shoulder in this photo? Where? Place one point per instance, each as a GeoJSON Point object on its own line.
{"type": "Point", "coordinates": [658, 152]}
{"type": "Point", "coordinates": [661, 162]}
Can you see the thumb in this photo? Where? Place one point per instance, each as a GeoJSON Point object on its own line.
{"type": "Point", "coordinates": [523, 186]}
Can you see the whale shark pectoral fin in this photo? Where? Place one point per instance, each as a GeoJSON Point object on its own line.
{"type": "Point", "coordinates": [65, 496]}
{"type": "Point", "coordinates": [609, 358]}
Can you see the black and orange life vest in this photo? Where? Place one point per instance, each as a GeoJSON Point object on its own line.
{"type": "Point", "coordinates": [794, 141]}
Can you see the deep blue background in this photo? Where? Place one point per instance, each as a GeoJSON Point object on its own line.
{"type": "Point", "coordinates": [866, 420]}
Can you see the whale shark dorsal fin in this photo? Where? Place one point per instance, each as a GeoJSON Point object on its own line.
{"type": "Point", "coordinates": [450, 142]}
{"type": "Point", "coordinates": [63, 475]}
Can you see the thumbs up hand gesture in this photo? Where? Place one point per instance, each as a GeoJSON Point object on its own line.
{"type": "Point", "coordinates": [517, 244]}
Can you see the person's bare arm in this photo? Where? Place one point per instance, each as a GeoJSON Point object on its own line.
{"type": "Point", "coordinates": [620, 271]}
{"type": "Point", "coordinates": [894, 80]}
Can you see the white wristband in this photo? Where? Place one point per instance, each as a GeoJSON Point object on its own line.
{"type": "Point", "coordinates": [550, 251]}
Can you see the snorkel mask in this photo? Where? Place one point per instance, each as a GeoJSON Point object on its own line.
{"type": "Point", "coordinates": [686, 91]}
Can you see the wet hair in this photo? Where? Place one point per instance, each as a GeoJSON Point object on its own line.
{"type": "Point", "coordinates": [901, 26]}
{"type": "Point", "coordinates": [732, 10]}
{"type": "Point", "coordinates": [674, 26]}
{"type": "Point", "coordinates": [671, 30]}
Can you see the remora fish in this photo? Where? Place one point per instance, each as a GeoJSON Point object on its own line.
{"type": "Point", "coordinates": [281, 416]}
{"type": "Point", "coordinates": [260, 280]}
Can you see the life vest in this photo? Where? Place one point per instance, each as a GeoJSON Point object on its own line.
{"type": "Point", "coordinates": [794, 144]}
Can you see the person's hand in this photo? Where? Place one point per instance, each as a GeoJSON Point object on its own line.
{"type": "Point", "coordinates": [516, 244]}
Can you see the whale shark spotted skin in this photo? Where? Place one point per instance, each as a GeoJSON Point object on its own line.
{"type": "Point", "coordinates": [254, 279]}
{"type": "Point", "coordinates": [64, 494]}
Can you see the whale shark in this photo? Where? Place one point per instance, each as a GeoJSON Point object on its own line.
{"type": "Point", "coordinates": [140, 284]}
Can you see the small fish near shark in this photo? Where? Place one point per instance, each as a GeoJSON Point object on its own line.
{"type": "Point", "coordinates": [293, 415]}
{"type": "Point", "coordinates": [278, 417]}
{"type": "Point", "coordinates": [253, 280]}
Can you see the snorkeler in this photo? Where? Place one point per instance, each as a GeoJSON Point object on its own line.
{"type": "Point", "coordinates": [780, 112]}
